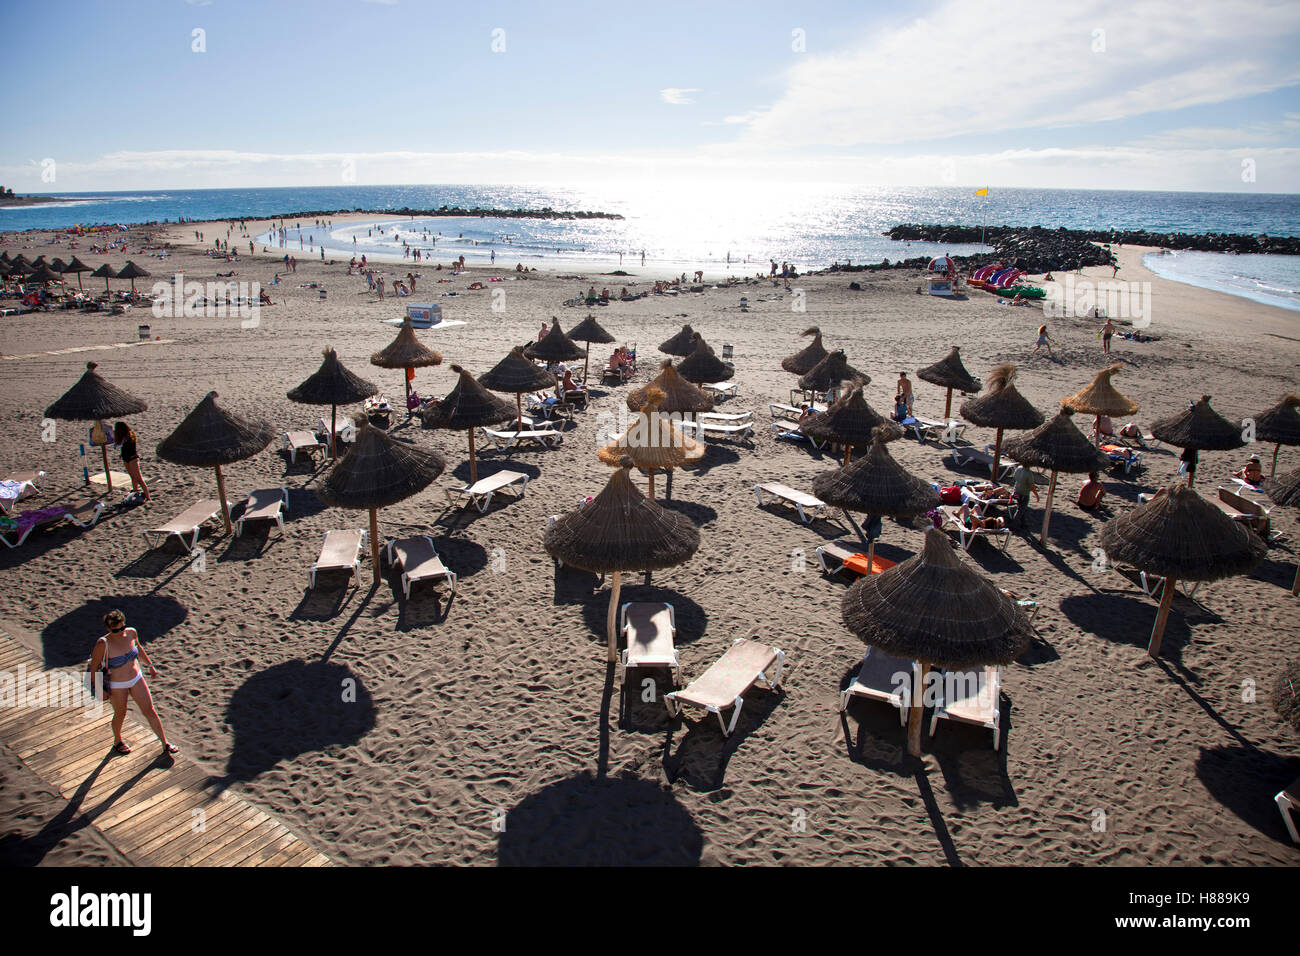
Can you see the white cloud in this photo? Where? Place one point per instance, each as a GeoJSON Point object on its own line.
{"type": "Point", "coordinates": [678, 96]}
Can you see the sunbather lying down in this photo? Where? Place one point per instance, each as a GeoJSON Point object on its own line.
{"type": "Point", "coordinates": [972, 516]}
{"type": "Point", "coordinates": [987, 489]}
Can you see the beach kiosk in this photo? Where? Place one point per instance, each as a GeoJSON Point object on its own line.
{"type": "Point", "coordinates": [941, 276]}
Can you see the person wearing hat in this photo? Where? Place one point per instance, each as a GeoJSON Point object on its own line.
{"type": "Point", "coordinates": [1251, 473]}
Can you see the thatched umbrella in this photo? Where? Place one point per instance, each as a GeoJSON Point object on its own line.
{"type": "Point", "coordinates": [876, 484]}
{"type": "Point", "coordinates": [703, 366]}
{"type": "Point", "coordinates": [827, 374]}
{"type": "Point", "coordinates": [680, 344]}
{"type": "Point", "coordinates": [105, 272]}
{"type": "Point", "coordinates": [1059, 445]}
{"type": "Point", "coordinates": [1280, 425]}
{"type": "Point", "coordinates": [1286, 694]}
{"type": "Point", "coordinates": [1200, 428]}
{"type": "Point", "coordinates": [1180, 536]}
{"type": "Point", "coordinates": [333, 385]}
{"type": "Point", "coordinates": [850, 421]}
{"type": "Point", "coordinates": [378, 471]}
{"type": "Point", "coordinates": [589, 330]}
{"type": "Point", "coordinates": [680, 396]}
{"type": "Point", "coordinates": [93, 399]}
{"type": "Point", "coordinates": [555, 346]}
{"type": "Point", "coordinates": [1102, 398]}
{"type": "Point", "coordinates": [211, 436]}
{"type": "Point", "coordinates": [58, 265]}
{"type": "Point", "coordinates": [516, 374]}
{"type": "Point", "coordinates": [1001, 407]}
{"type": "Point", "coordinates": [408, 353]}
{"type": "Point", "coordinates": [1285, 491]}
{"type": "Point", "coordinates": [807, 358]}
{"type": "Point", "coordinates": [132, 271]}
{"type": "Point", "coordinates": [78, 267]}
{"type": "Point", "coordinates": [469, 406]}
{"type": "Point", "coordinates": [652, 441]}
{"type": "Point", "coordinates": [43, 273]}
{"type": "Point", "coordinates": [949, 373]}
{"type": "Point", "coordinates": [621, 530]}
{"type": "Point", "coordinates": [935, 610]}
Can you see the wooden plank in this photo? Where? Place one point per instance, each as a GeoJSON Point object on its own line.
{"type": "Point", "coordinates": [267, 850]}
{"type": "Point", "coordinates": [28, 716]}
{"type": "Point", "coordinates": [59, 742]}
{"type": "Point", "coordinates": [255, 836]}
{"type": "Point", "coordinates": [221, 817]}
{"type": "Point", "coordinates": [239, 827]}
{"type": "Point", "coordinates": [163, 814]}
{"type": "Point", "coordinates": [33, 738]}
{"type": "Point", "coordinates": [122, 809]}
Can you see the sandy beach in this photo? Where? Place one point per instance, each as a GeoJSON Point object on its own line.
{"type": "Point", "coordinates": [499, 706]}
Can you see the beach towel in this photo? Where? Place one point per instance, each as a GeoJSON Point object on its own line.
{"type": "Point", "coordinates": [951, 495]}
{"type": "Point", "coordinates": [859, 564]}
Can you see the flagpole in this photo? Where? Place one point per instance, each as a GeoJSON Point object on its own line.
{"type": "Point", "coordinates": [984, 224]}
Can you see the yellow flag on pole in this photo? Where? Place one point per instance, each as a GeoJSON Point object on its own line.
{"type": "Point", "coordinates": [982, 192]}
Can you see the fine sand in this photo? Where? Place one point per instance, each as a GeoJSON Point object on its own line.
{"type": "Point", "coordinates": [486, 730]}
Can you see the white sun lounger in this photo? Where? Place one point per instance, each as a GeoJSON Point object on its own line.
{"type": "Point", "coordinates": [942, 432]}
{"type": "Point", "coordinates": [705, 428]}
{"type": "Point", "coordinates": [546, 437]}
{"type": "Point", "coordinates": [1243, 510]}
{"type": "Point", "coordinates": [878, 679]}
{"type": "Point", "coordinates": [1144, 439]}
{"type": "Point", "coordinates": [798, 395]}
{"type": "Point", "coordinates": [84, 515]}
{"type": "Point", "coordinates": [964, 455]}
{"type": "Point", "coordinates": [28, 486]}
{"type": "Point", "coordinates": [345, 430]}
{"type": "Point", "coordinates": [265, 504]}
{"type": "Point", "coordinates": [1000, 536]}
{"type": "Point", "coordinates": [301, 441]}
{"type": "Point", "coordinates": [480, 493]}
{"type": "Point", "coordinates": [419, 561]}
{"type": "Point", "coordinates": [341, 551]}
{"type": "Point", "coordinates": [727, 681]}
{"type": "Point", "coordinates": [832, 555]}
{"type": "Point", "coordinates": [650, 628]}
{"type": "Point", "coordinates": [1288, 802]}
{"type": "Point", "coordinates": [186, 524]}
{"type": "Point", "coordinates": [800, 500]}
{"type": "Point", "coordinates": [727, 418]}
{"type": "Point", "coordinates": [721, 390]}
{"type": "Point", "coordinates": [971, 697]}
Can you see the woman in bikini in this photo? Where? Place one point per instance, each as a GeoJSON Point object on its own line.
{"type": "Point", "coordinates": [126, 440]}
{"type": "Point", "coordinates": [118, 650]}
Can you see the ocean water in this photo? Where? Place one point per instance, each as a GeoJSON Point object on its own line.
{"type": "Point", "coordinates": [1271, 280]}
{"type": "Point", "coordinates": [681, 229]}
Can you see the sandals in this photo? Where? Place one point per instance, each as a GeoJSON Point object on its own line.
{"type": "Point", "coordinates": [121, 748]}
{"type": "Point", "coordinates": [170, 749]}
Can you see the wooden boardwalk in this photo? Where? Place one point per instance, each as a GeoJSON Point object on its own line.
{"type": "Point", "coordinates": [155, 812]}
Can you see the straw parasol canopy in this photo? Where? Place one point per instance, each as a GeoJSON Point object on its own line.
{"type": "Point", "coordinates": [589, 330]}
{"type": "Point", "coordinates": [949, 373]}
{"type": "Point", "coordinates": [1059, 445]}
{"type": "Point", "coordinates": [1286, 694]}
{"type": "Point", "coordinates": [850, 421]}
{"type": "Point", "coordinates": [516, 374]}
{"type": "Point", "coordinates": [378, 471]}
{"type": "Point", "coordinates": [555, 346]}
{"type": "Point", "coordinates": [43, 273]}
{"type": "Point", "coordinates": [1279, 425]}
{"type": "Point", "coordinates": [827, 375]}
{"type": "Point", "coordinates": [680, 396]}
{"type": "Point", "coordinates": [1180, 536]}
{"type": "Point", "coordinates": [807, 358]}
{"type": "Point", "coordinates": [105, 272]}
{"type": "Point", "coordinates": [406, 352]}
{"type": "Point", "coordinates": [469, 406]}
{"type": "Point", "coordinates": [1102, 398]}
{"type": "Point", "coordinates": [1199, 428]}
{"type": "Point", "coordinates": [1285, 491]}
{"type": "Point", "coordinates": [702, 365]}
{"type": "Point", "coordinates": [653, 441]}
{"type": "Point", "coordinates": [876, 484]}
{"type": "Point", "coordinates": [1001, 406]}
{"type": "Point", "coordinates": [76, 266]}
{"type": "Point", "coordinates": [93, 399]}
{"type": "Point", "coordinates": [132, 271]}
{"type": "Point", "coordinates": [211, 436]}
{"type": "Point", "coordinates": [680, 344]}
{"type": "Point", "coordinates": [333, 385]}
{"type": "Point", "coordinates": [58, 265]}
{"type": "Point", "coordinates": [936, 610]}
{"type": "Point", "coordinates": [621, 530]}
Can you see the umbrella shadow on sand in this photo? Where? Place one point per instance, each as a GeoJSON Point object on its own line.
{"type": "Point", "coordinates": [291, 709]}
{"type": "Point", "coordinates": [714, 456]}
{"type": "Point", "coordinates": [600, 821]}
{"type": "Point", "coordinates": [691, 619]}
{"type": "Point", "coordinates": [1244, 780]}
{"type": "Point", "coordinates": [70, 638]}
{"type": "Point", "coordinates": [1126, 619]}
{"type": "Point", "coordinates": [702, 754]}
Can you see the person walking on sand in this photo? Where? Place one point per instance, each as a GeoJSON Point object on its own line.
{"type": "Point", "coordinates": [1043, 340]}
{"type": "Point", "coordinates": [126, 441]}
{"type": "Point", "coordinates": [117, 651]}
{"type": "Point", "coordinates": [1107, 331]}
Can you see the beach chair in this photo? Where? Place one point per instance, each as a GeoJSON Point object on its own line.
{"type": "Point", "coordinates": [850, 559]}
{"type": "Point", "coordinates": [649, 628]}
{"type": "Point", "coordinates": [705, 428]}
{"type": "Point", "coordinates": [480, 493]}
{"type": "Point", "coordinates": [1143, 439]}
{"type": "Point", "coordinates": [1153, 585]}
{"type": "Point", "coordinates": [546, 437]}
{"type": "Point", "coordinates": [881, 677]}
{"type": "Point", "coordinates": [1288, 802]}
{"type": "Point", "coordinates": [419, 561]}
{"type": "Point", "coordinates": [340, 551]}
{"type": "Point", "coordinates": [727, 418]}
{"type": "Point", "coordinates": [798, 395]}
{"type": "Point", "coordinates": [549, 406]}
{"type": "Point", "coordinates": [1030, 607]}
{"type": "Point", "coordinates": [727, 681]}
{"type": "Point", "coordinates": [970, 697]}
{"type": "Point", "coordinates": [800, 500]}
{"type": "Point", "coordinates": [945, 432]}
{"type": "Point", "coordinates": [84, 515]}
{"type": "Point", "coordinates": [23, 485]}
{"type": "Point", "coordinates": [963, 456]}
{"type": "Point", "coordinates": [998, 536]}
{"type": "Point", "coordinates": [1243, 510]}
{"type": "Point", "coordinates": [265, 504]}
{"type": "Point", "coordinates": [302, 441]}
{"type": "Point", "coordinates": [186, 524]}
{"type": "Point", "coordinates": [721, 391]}
{"type": "Point", "coordinates": [1122, 456]}
{"type": "Point", "coordinates": [779, 410]}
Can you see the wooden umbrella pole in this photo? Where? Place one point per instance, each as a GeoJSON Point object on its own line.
{"type": "Point", "coordinates": [1158, 632]}
{"type": "Point", "coordinates": [997, 456]}
{"type": "Point", "coordinates": [651, 491]}
{"type": "Point", "coordinates": [586, 364]}
{"type": "Point", "coordinates": [334, 427]}
{"type": "Point", "coordinates": [918, 706]}
{"type": "Point", "coordinates": [473, 467]}
{"type": "Point", "coordinates": [406, 380]}
{"type": "Point", "coordinates": [221, 493]}
{"type": "Point", "coordinates": [871, 556]}
{"type": "Point", "coordinates": [374, 541]}
{"type": "Point", "coordinates": [947, 407]}
{"type": "Point", "coordinates": [1295, 586]}
{"type": "Point", "coordinates": [1272, 470]}
{"type": "Point", "coordinates": [108, 475]}
{"type": "Point", "coordinates": [519, 410]}
{"type": "Point", "coordinates": [615, 585]}
{"type": "Point", "coordinates": [848, 453]}
{"type": "Point", "coordinates": [1047, 507]}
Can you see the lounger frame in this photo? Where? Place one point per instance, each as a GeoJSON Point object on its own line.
{"type": "Point", "coordinates": [675, 706]}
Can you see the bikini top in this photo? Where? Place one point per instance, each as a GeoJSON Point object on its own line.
{"type": "Point", "coordinates": [121, 659]}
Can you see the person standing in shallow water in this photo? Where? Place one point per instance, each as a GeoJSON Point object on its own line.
{"type": "Point", "coordinates": [118, 650]}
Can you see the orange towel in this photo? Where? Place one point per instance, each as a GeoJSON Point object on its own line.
{"type": "Point", "coordinates": [858, 563]}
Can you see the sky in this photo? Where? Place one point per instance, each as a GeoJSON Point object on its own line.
{"type": "Point", "coordinates": [139, 94]}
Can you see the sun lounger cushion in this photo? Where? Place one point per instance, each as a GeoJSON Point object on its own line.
{"type": "Point", "coordinates": [727, 680]}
